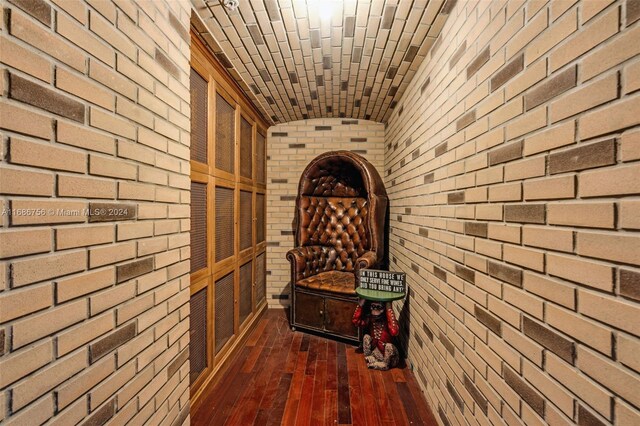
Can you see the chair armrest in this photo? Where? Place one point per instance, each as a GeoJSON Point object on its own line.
{"type": "Point", "coordinates": [310, 260]}
{"type": "Point", "coordinates": [367, 260]}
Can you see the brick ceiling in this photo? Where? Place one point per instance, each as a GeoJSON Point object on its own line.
{"type": "Point", "coordinates": [297, 59]}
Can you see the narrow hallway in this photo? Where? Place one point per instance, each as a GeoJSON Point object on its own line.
{"type": "Point", "coordinates": [186, 185]}
{"type": "Point", "coordinates": [285, 377]}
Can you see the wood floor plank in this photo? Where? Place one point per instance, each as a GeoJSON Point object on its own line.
{"type": "Point", "coordinates": [355, 391]}
{"type": "Point", "coordinates": [408, 403]}
{"type": "Point", "coordinates": [318, 398]}
{"type": "Point", "coordinates": [246, 406]}
{"type": "Point", "coordinates": [313, 356]}
{"type": "Point", "coordinates": [304, 346]}
{"type": "Point", "coordinates": [303, 417]}
{"type": "Point", "coordinates": [330, 407]}
{"type": "Point", "coordinates": [258, 331]}
{"type": "Point", "coordinates": [210, 402]}
{"type": "Point", "coordinates": [268, 378]}
{"type": "Point", "coordinates": [227, 401]}
{"type": "Point", "coordinates": [385, 409]}
{"type": "Point", "coordinates": [398, 375]}
{"type": "Point", "coordinates": [293, 399]}
{"type": "Point", "coordinates": [344, 400]}
{"type": "Point", "coordinates": [266, 346]}
{"type": "Point", "coordinates": [276, 411]}
{"type": "Point", "coordinates": [282, 349]}
{"type": "Point", "coordinates": [424, 410]}
{"type": "Point", "coordinates": [282, 377]}
{"type": "Point", "coordinates": [258, 348]}
{"type": "Point", "coordinates": [332, 368]}
{"type": "Point", "coordinates": [292, 358]}
{"type": "Point", "coordinates": [262, 418]}
{"type": "Point", "coordinates": [321, 348]}
{"type": "Point", "coordinates": [371, 412]}
{"type": "Point", "coordinates": [391, 390]}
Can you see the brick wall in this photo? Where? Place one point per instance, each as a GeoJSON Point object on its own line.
{"type": "Point", "coordinates": [93, 304]}
{"type": "Point", "coordinates": [512, 168]}
{"type": "Point", "coordinates": [290, 147]}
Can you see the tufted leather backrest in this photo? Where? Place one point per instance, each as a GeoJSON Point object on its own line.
{"type": "Point", "coordinates": [338, 222]}
{"type": "Point", "coordinates": [334, 179]}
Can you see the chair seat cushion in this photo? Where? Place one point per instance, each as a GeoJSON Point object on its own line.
{"type": "Point", "coordinates": [331, 281]}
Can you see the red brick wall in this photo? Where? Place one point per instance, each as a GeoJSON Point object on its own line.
{"type": "Point", "coordinates": [512, 168]}
{"type": "Point", "coordinates": [94, 262]}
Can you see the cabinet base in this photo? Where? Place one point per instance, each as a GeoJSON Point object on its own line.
{"type": "Point", "coordinates": [324, 313]}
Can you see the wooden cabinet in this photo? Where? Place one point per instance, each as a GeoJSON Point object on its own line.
{"type": "Point", "coordinates": [228, 247]}
{"type": "Point", "coordinates": [329, 313]}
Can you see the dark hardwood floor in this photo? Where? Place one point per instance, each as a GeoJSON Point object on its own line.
{"type": "Point", "coordinates": [292, 378]}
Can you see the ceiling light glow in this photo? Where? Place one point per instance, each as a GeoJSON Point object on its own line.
{"type": "Point", "coordinates": [326, 8]}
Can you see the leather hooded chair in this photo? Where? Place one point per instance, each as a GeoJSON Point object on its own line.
{"type": "Point", "coordinates": [339, 228]}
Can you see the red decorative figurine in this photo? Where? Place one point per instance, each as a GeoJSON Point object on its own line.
{"type": "Point", "coordinates": [380, 326]}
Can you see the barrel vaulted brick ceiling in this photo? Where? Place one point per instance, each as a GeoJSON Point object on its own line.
{"type": "Point", "coordinates": [323, 58]}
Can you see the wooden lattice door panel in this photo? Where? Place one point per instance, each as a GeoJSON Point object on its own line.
{"type": "Point", "coordinates": [246, 287]}
{"type": "Point", "coordinates": [223, 311]}
{"type": "Point", "coordinates": [199, 117]}
{"type": "Point", "coordinates": [199, 251]}
{"type": "Point", "coordinates": [198, 334]}
{"type": "Point", "coordinates": [261, 282]}
{"type": "Point", "coordinates": [225, 135]}
{"type": "Point", "coordinates": [260, 218]}
{"type": "Point", "coordinates": [224, 220]}
{"type": "Point", "coordinates": [246, 149]}
{"type": "Point", "coordinates": [246, 219]}
{"type": "Point", "coordinates": [261, 157]}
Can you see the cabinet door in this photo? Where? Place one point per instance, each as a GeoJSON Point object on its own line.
{"type": "Point", "coordinates": [338, 314]}
{"type": "Point", "coordinates": [228, 264]}
{"type": "Point", "coordinates": [310, 310]}
{"type": "Point", "coordinates": [225, 135]}
{"type": "Point", "coordinates": [246, 149]}
{"type": "Point", "coordinates": [246, 293]}
{"type": "Point", "coordinates": [260, 281]}
{"type": "Point", "coordinates": [200, 329]}
{"type": "Point", "coordinates": [261, 150]}
{"type": "Point", "coordinates": [199, 326]}
{"type": "Point", "coordinates": [223, 310]}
